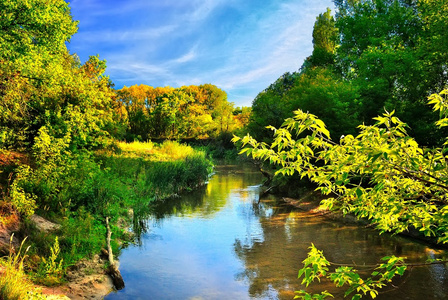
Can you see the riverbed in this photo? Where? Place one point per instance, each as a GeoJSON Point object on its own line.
{"type": "Point", "coordinates": [224, 242]}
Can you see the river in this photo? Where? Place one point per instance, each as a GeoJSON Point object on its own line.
{"type": "Point", "coordinates": [223, 242]}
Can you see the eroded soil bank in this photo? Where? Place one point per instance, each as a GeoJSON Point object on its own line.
{"type": "Point", "coordinates": [85, 280]}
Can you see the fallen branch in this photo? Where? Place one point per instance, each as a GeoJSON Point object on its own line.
{"type": "Point", "coordinates": [113, 271]}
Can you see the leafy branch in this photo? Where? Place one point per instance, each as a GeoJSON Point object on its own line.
{"type": "Point", "coordinates": [381, 174]}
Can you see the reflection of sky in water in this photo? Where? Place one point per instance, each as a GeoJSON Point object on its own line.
{"type": "Point", "coordinates": [223, 242]}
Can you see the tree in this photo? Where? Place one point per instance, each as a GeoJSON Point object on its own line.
{"type": "Point", "coordinates": [321, 92]}
{"type": "Point", "coordinates": [385, 50]}
{"type": "Point", "coordinates": [32, 38]}
{"type": "Point", "coordinates": [42, 85]}
{"type": "Point", "coordinates": [382, 175]}
{"type": "Point", "coordinates": [325, 38]}
{"type": "Point", "coordinates": [317, 90]}
{"type": "Point", "coordinates": [270, 106]}
{"type": "Point", "coordinates": [186, 112]}
{"type": "Point", "coordinates": [35, 24]}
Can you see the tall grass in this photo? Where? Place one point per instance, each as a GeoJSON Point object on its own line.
{"type": "Point", "coordinates": [168, 150]}
{"type": "Point", "coordinates": [14, 284]}
{"type": "Point", "coordinates": [174, 151]}
{"type": "Point", "coordinates": [78, 190]}
{"type": "Point", "coordinates": [140, 147]}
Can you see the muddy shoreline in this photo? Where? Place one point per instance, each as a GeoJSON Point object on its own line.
{"type": "Point", "coordinates": [310, 203]}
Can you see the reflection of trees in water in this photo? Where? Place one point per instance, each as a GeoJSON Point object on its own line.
{"type": "Point", "coordinates": [203, 202]}
{"type": "Point", "coordinates": [273, 257]}
{"type": "Point", "coordinates": [267, 260]}
{"type": "Point", "coordinates": [157, 211]}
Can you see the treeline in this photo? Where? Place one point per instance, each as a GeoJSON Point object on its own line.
{"type": "Point", "coordinates": [187, 112]}
{"type": "Point", "coordinates": [369, 57]}
{"type": "Point", "coordinates": [46, 89]}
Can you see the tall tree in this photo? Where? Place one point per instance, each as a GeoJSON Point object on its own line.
{"type": "Point", "coordinates": [383, 50]}
{"type": "Point", "coordinates": [325, 38]}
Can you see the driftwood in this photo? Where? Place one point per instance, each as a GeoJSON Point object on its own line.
{"type": "Point", "coordinates": [113, 271]}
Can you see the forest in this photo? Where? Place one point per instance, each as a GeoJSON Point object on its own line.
{"type": "Point", "coordinates": [364, 120]}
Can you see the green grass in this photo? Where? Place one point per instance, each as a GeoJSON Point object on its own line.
{"type": "Point", "coordinates": [137, 147]}
{"type": "Point", "coordinates": [78, 190]}
{"type": "Point", "coordinates": [14, 284]}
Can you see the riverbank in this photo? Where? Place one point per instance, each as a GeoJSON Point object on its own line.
{"type": "Point", "coordinates": [310, 202]}
{"type": "Point", "coordinates": [73, 195]}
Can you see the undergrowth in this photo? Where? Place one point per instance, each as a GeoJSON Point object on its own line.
{"type": "Point", "coordinates": [14, 284]}
{"type": "Point", "coordinates": [78, 190]}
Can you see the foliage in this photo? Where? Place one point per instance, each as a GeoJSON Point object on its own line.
{"type": "Point", "coordinates": [381, 174]}
{"type": "Point", "coordinates": [382, 42]}
{"type": "Point", "coordinates": [186, 112]}
{"type": "Point", "coordinates": [325, 37]}
{"type": "Point", "coordinates": [23, 201]}
{"type": "Point", "coordinates": [318, 91]}
{"type": "Point", "coordinates": [35, 24]}
{"type": "Point", "coordinates": [81, 236]}
{"type": "Point", "coordinates": [316, 267]}
{"type": "Point", "coordinates": [14, 285]}
{"type": "Point", "coordinates": [52, 268]}
{"type": "Point", "coordinates": [42, 85]}
{"type": "Point", "coordinates": [270, 106]}
{"type": "Point", "coordinates": [377, 54]}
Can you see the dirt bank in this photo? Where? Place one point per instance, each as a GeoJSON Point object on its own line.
{"type": "Point", "coordinates": [310, 202]}
{"type": "Point", "coordinates": [86, 280]}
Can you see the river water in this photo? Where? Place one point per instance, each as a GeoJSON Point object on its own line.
{"type": "Point", "coordinates": [223, 242]}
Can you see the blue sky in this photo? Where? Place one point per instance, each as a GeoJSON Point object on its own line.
{"type": "Point", "coordinates": [241, 46]}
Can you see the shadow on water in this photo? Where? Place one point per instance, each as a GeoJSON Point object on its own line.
{"type": "Point", "coordinates": [223, 242]}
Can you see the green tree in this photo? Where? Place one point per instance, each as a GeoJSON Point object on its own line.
{"type": "Point", "coordinates": [325, 39]}
{"type": "Point", "coordinates": [32, 42]}
{"type": "Point", "coordinates": [382, 175]}
{"type": "Point", "coordinates": [270, 106]}
{"type": "Point", "coordinates": [27, 26]}
{"type": "Point", "coordinates": [43, 85]}
{"type": "Point", "coordinates": [186, 112]}
{"type": "Point", "coordinates": [385, 50]}
{"type": "Point", "coordinates": [317, 90]}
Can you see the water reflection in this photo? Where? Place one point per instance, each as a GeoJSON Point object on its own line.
{"type": "Point", "coordinates": [271, 264]}
{"type": "Point", "coordinates": [223, 242]}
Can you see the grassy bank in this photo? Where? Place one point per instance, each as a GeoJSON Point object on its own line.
{"type": "Point", "coordinates": [79, 190]}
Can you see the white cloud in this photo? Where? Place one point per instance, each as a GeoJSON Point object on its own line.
{"type": "Point", "coordinates": [187, 46]}
{"type": "Point", "coordinates": [124, 35]}
{"type": "Point", "coordinates": [187, 57]}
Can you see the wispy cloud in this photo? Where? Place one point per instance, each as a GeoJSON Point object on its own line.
{"type": "Point", "coordinates": [124, 35]}
{"type": "Point", "coordinates": [242, 47]}
{"type": "Point", "coordinates": [187, 57]}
